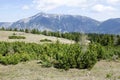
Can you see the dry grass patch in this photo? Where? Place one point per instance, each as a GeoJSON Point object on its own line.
{"type": "Point", "coordinates": [30, 38]}
{"type": "Point", "coordinates": [33, 71]}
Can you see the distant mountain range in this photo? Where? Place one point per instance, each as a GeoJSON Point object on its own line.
{"type": "Point", "coordinates": [110, 26]}
{"type": "Point", "coordinates": [66, 23]}
{"type": "Point", "coordinates": [5, 24]}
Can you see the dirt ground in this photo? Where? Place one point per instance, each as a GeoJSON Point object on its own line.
{"type": "Point", "coordinates": [32, 70]}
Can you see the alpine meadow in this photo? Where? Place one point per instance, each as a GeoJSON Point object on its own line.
{"type": "Point", "coordinates": [60, 40]}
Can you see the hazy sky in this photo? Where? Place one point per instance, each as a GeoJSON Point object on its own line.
{"type": "Point", "coordinates": [13, 10]}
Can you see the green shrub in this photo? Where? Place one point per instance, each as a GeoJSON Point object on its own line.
{"type": "Point", "coordinates": [61, 56]}
{"type": "Point", "coordinates": [45, 40]}
{"type": "Point", "coordinates": [25, 57]}
{"type": "Point", "coordinates": [109, 75]}
{"type": "Point", "coordinates": [14, 34]}
{"type": "Point", "coordinates": [10, 59]}
{"type": "Point", "coordinates": [16, 37]}
{"type": "Point", "coordinates": [118, 77]}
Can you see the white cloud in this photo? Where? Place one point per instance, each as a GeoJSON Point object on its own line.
{"type": "Point", "coordinates": [113, 1]}
{"type": "Point", "coordinates": [97, 8]}
{"type": "Point", "coordinates": [25, 7]}
{"type": "Point", "coordinates": [102, 8]}
{"type": "Point", "coordinates": [46, 5]}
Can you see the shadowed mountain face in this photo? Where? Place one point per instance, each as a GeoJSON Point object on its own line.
{"type": "Point", "coordinates": [52, 22]}
{"type": "Point", "coordinates": [66, 23]}
{"type": "Point", "coordinates": [110, 26]}
{"type": "Point", "coordinates": [5, 24]}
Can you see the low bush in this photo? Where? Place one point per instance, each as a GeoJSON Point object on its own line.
{"type": "Point", "coordinates": [61, 56]}
{"type": "Point", "coordinates": [109, 75]}
{"type": "Point", "coordinates": [10, 59]}
{"type": "Point", "coordinates": [16, 37]}
{"type": "Point", "coordinates": [45, 40]}
{"type": "Point", "coordinates": [15, 58]}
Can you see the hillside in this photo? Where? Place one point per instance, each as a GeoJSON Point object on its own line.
{"type": "Point", "coordinates": [30, 38]}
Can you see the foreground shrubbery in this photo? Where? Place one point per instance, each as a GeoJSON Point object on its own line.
{"type": "Point", "coordinates": [62, 56]}
{"type": "Point", "coordinates": [15, 58]}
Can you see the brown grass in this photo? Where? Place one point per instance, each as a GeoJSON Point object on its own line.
{"type": "Point", "coordinates": [33, 71]}
{"type": "Point", "coordinates": [30, 38]}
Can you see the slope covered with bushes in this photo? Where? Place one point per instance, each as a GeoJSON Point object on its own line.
{"type": "Point", "coordinates": [62, 56]}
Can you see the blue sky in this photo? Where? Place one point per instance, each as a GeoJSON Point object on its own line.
{"type": "Point", "coordinates": [13, 10]}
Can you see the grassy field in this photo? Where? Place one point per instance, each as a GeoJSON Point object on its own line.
{"type": "Point", "coordinates": [30, 38]}
{"type": "Point", "coordinates": [103, 70]}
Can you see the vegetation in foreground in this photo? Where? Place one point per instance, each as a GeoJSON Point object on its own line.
{"type": "Point", "coordinates": [62, 56]}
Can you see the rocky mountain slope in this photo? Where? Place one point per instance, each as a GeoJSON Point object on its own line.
{"type": "Point", "coordinates": [63, 23]}
{"type": "Point", "coordinates": [66, 23]}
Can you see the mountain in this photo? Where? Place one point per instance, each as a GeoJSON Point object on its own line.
{"type": "Point", "coordinates": [111, 26]}
{"type": "Point", "coordinates": [66, 23]}
{"type": "Point", "coordinates": [55, 22]}
{"type": "Point", "coordinates": [5, 24]}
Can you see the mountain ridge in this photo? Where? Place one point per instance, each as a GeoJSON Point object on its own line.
{"type": "Point", "coordinates": [5, 24]}
{"type": "Point", "coordinates": [110, 26]}
{"type": "Point", "coordinates": [55, 22]}
{"type": "Point", "coordinates": [66, 23]}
